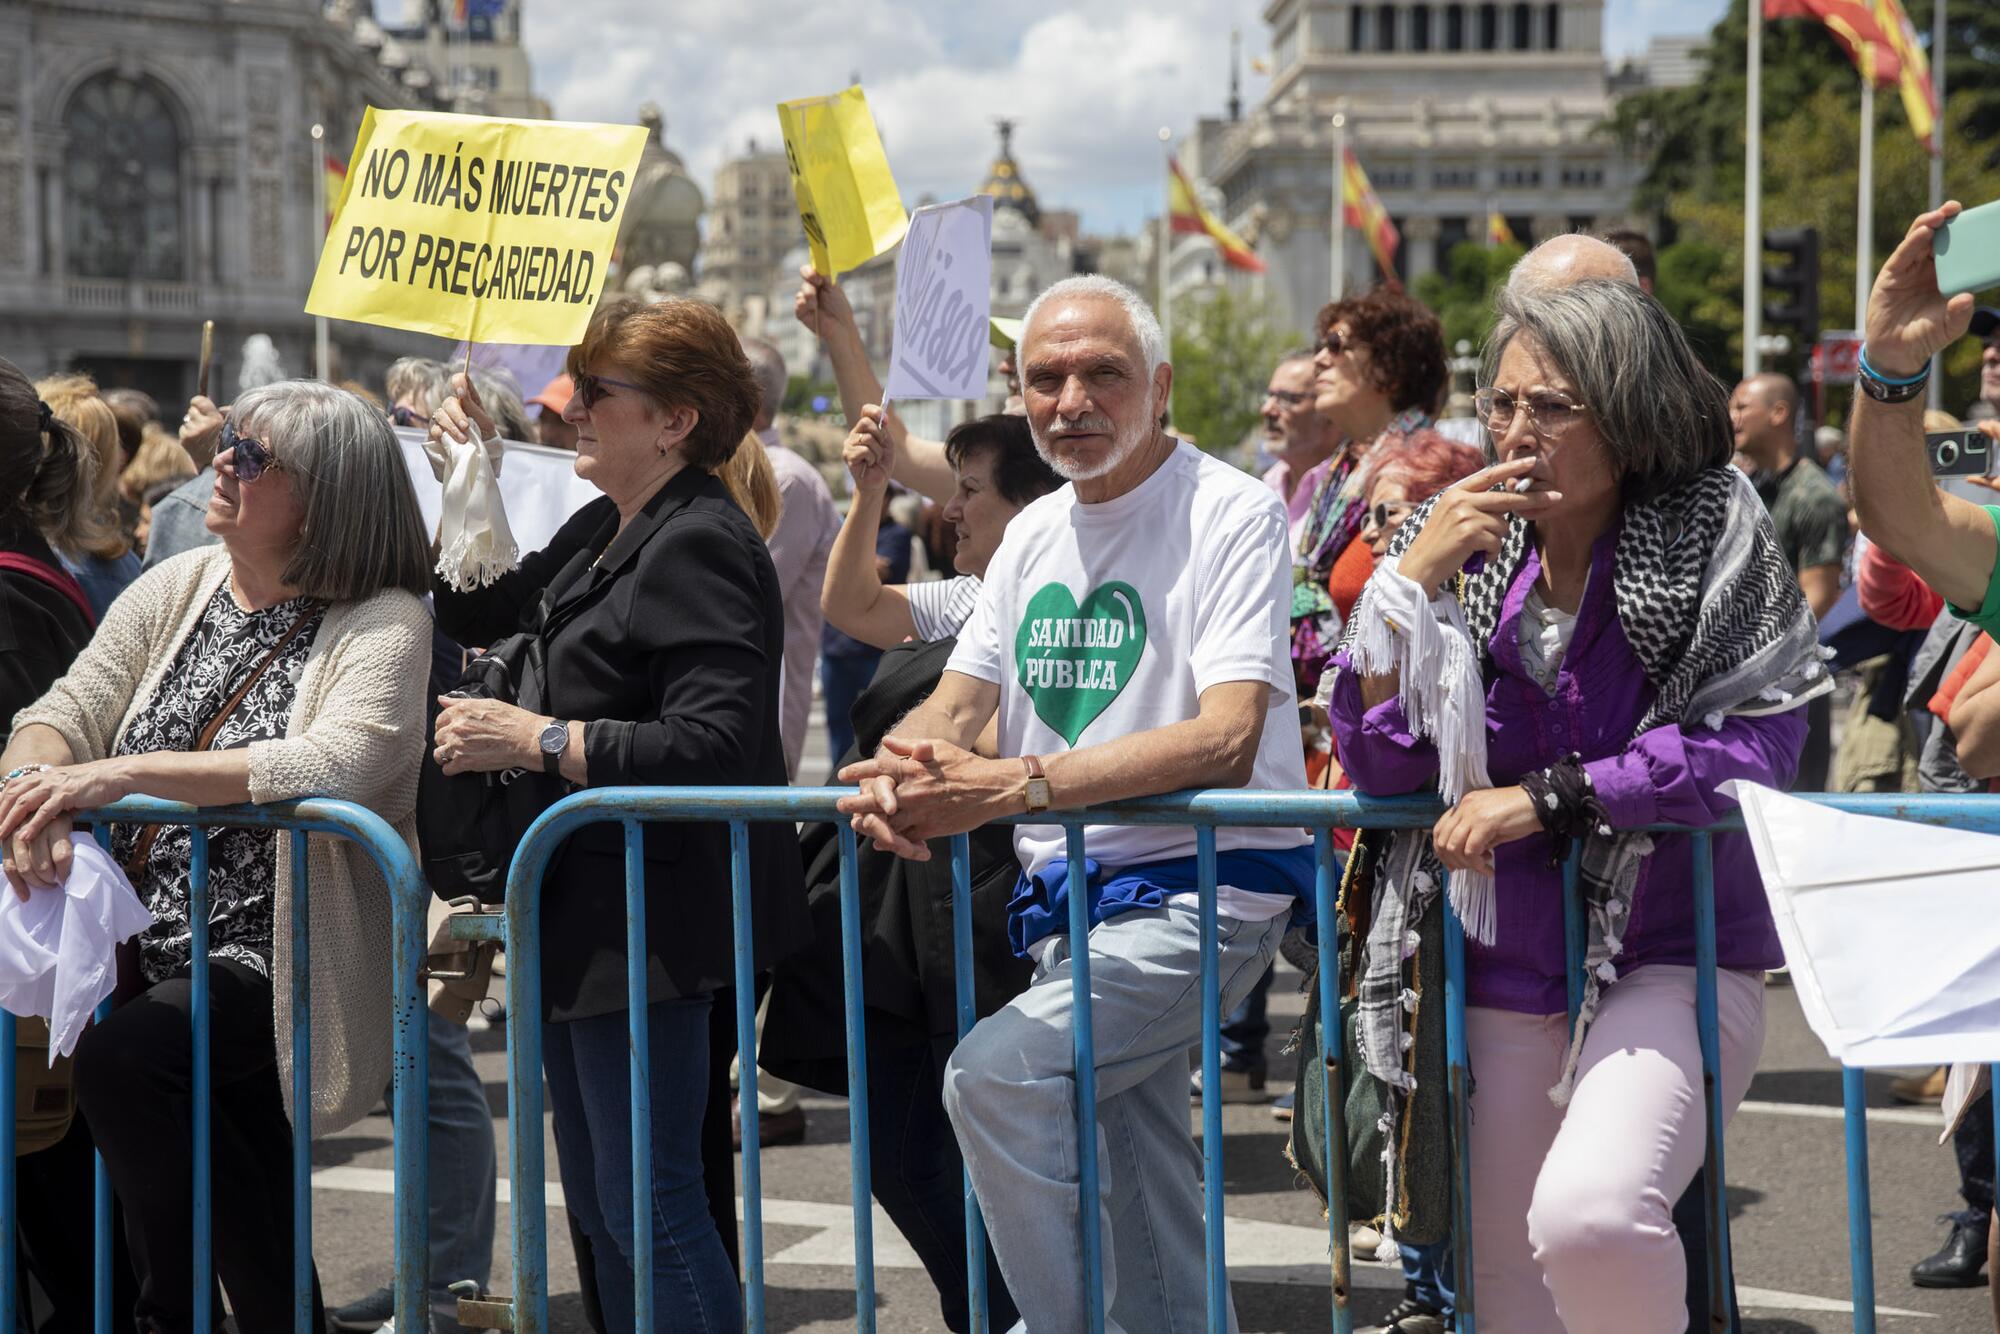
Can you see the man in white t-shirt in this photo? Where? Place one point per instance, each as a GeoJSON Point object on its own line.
{"type": "Point", "coordinates": [1131, 639]}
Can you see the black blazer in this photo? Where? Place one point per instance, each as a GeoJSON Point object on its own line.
{"type": "Point", "coordinates": [669, 649]}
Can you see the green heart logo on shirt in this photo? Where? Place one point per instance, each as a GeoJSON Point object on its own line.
{"type": "Point", "coordinates": [1073, 661]}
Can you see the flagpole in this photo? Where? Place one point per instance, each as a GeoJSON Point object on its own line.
{"type": "Point", "coordinates": [1938, 36]}
{"type": "Point", "coordinates": [1339, 220]}
{"type": "Point", "coordinates": [1166, 235]}
{"type": "Point", "coordinates": [322, 346]}
{"type": "Point", "coordinates": [1753, 198]}
{"type": "Point", "coordinates": [1864, 223]}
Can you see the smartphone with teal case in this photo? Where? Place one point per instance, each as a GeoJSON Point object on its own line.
{"type": "Point", "coordinates": [1968, 251]}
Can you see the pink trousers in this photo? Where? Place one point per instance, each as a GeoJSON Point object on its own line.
{"type": "Point", "coordinates": [1572, 1208]}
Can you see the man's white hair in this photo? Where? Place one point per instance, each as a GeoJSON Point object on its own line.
{"type": "Point", "coordinates": [1145, 325]}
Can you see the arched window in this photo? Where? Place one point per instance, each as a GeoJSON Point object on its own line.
{"type": "Point", "coordinates": [1454, 27]}
{"type": "Point", "coordinates": [1385, 27]}
{"type": "Point", "coordinates": [122, 182]}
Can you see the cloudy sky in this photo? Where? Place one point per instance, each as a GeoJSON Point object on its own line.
{"type": "Point", "coordinates": [1089, 81]}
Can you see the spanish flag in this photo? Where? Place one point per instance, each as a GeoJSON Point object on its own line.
{"type": "Point", "coordinates": [1497, 230]}
{"type": "Point", "coordinates": [1363, 211]}
{"type": "Point", "coordinates": [1913, 76]}
{"type": "Point", "coordinates": [336, 181]}
{"type": "Point", "coordinates": [1187, 217]}
{"type": "Point", "coordinates": [1883, 44]}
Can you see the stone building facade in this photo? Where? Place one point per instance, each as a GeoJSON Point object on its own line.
{"type": "Point", "coordinates": [156, 170]}
{"type": "Point", "coordinates": [1454, 110]}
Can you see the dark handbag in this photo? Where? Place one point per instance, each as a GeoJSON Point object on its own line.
{"type": "Point", "coordinates": [468, 825]}
{"type": "Point", "coordinates": [1422, 1207]}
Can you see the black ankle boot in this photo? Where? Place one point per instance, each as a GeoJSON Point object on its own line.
{"type": "Point", "coordinates": [1958, 1264]}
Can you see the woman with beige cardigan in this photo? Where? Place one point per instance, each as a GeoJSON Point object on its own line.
{"type": "Point", "coordinates": [278, 665]}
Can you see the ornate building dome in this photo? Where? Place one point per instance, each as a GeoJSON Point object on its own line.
{"type": "Point", "coordinates": [1004, 183]}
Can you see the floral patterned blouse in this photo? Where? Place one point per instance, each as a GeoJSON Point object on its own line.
{"type": "Point", "coordinates": [224, 648]}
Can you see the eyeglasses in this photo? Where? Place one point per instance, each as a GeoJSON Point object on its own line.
{"type": "Point", "coordinates": [1333, 344]}
{"type": "Point", "coordinates": [590, 388]}
{"type": "Point", "coordinates": [1290, 398]}
{"type": "Point", "coordinates": [248, 457]}
{"type": "Point", "coordinates": [407, 416]}
{"type": "Point", "coordinates": [1548, 414]}
{"type": "Point", "coordinates": [1378, 514]}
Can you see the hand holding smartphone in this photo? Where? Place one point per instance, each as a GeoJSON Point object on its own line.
{"type": "Point", "coordinates": [1968, 251]}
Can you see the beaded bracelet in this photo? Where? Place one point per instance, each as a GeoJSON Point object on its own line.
{"type": "Point", "coordinates": [12, 774]}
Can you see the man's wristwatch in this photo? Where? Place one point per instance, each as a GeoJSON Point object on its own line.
{"type": "Point", "coordinates": [1038, 785]}
{"type": "Point", "coordinates": [555, 740]}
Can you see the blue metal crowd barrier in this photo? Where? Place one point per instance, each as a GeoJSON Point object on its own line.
{"type": "Point", "coordinates": [409, 898]}
{"type": "Point", "coordinates": [1318, 812]}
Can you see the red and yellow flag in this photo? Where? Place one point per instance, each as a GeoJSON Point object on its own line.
{"type": "Point", "coordinates": [1497, 230]}
{"type": "Point", "coordinates": [336, 180]}
{"type": "Point", "coordinates": [1363, 210]}
{"type": "Point", "coordinates": [1883, 44]}
{"type": "Point", "coordinates": [1920, 102]}
{"type": "Point", "coordinates": [1187, 217]}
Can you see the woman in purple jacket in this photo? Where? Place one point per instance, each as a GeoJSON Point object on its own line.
{"type": "Point", "coordinates": [1609, 601]}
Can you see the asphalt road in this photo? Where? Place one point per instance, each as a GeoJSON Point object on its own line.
{"type": "Point", "coordinates": [1787, 1201]}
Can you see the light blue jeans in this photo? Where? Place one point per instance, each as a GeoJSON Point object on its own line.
{"type": "Point", "coordinates": [1011, 1094]}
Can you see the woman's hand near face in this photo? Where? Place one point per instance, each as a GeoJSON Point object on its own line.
{"type": "Point", "coordinates": [1481, 822]}
{"type": "Point", "coordinates": [483, 736]}
{"type": "Point", "coordinates": [1470, 516]}
{"type": "Point", "coordinates": [868, 451]}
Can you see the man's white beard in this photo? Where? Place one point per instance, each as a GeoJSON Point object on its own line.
{"type": "Point", "coordinates": [1124, 444]}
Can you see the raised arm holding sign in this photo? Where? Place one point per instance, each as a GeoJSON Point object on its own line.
{"type": "Point", "coordinates": [847, 197]}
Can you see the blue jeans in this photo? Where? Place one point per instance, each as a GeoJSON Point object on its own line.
{"type": "Point", "coordinates": [587, 1062]}
{"type": "Point", "coordinates": [841, 681]}
{"type": "Point", "coordinates": [462, 1170]}
{"type": "Point", "coordinates": [1011, 1095]}
{"type": "Point", "coordinates": [1248, 1027]}
{"type": "Point", "coordinates": [1427, 1274]}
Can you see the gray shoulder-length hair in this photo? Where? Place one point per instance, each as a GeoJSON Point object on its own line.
{"type": "Point", "coordinates": [1663, 417]}
{"type": "Point", "coordinates": [362, 531]}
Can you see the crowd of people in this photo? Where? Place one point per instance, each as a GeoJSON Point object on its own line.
{"type": "Point", "coordinates": [1574, 613]}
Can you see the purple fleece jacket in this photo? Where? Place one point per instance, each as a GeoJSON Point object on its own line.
{"type": "Point", "coordinates": [1668, 775]}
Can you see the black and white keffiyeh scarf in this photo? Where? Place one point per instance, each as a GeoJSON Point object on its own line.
{"type": "Point", "coordinates": [1714, 614]}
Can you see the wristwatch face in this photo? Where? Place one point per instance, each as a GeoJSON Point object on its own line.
{"type": "Point", "coordinates": [1038, 794]}
{"type": "Point", "coordinates": [555, 738]}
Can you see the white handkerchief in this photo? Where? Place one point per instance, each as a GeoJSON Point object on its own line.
{"type": "Point", "coordinates": [475, 545]}
{"type": "Point", "coordinates": [58, 952]}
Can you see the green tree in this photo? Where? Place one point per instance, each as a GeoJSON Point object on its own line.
{"type": "Point", "coordinates": [1690, 142]}
{"type": "Point", "coordinates": [1462, 292]}
{"type": "Point", "coordinates": [1224, 349]}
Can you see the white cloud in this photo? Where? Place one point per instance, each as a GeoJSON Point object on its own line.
{"type": "Point", "coordinates": [1089, 84]}
{"type": "Point", "coordinates": [1090, 81]}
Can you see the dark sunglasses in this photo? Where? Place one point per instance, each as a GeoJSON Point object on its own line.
{"type": "Point", "coordinates": [1333, 344]}
{"type": "Point", "coordinates": [406, 416]}
{"type": "Point", "coordinates": [248, 456]}
{"type": "Point", "coordinates": [1378, 514]}
{"type": "Point", "coordinates": [590, 388]}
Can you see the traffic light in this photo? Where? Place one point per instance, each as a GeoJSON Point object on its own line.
{"type": "Point", "coordinates": [1791, 291]}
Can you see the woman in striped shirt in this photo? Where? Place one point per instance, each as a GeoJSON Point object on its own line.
{"type": "Point", "coordinates": [998, 473]}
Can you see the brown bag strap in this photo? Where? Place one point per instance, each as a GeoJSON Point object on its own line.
{"type": "Point", "coordinates": [135, 865]}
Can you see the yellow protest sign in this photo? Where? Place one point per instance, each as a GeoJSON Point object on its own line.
{"type": "Point", "coordinates": [476, 227]}
{"type": "Point", "coordinates": [840, 176]}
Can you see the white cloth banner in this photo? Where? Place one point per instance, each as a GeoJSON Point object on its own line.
{"type": "Point", "coordinates": [1891, 929]}
{"type": "Point", "coordinates": [538, 484]}
{"type": "Point", "coordinates": [944, 292]}
{"type": "Point", "coordinates": [59, 952]}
